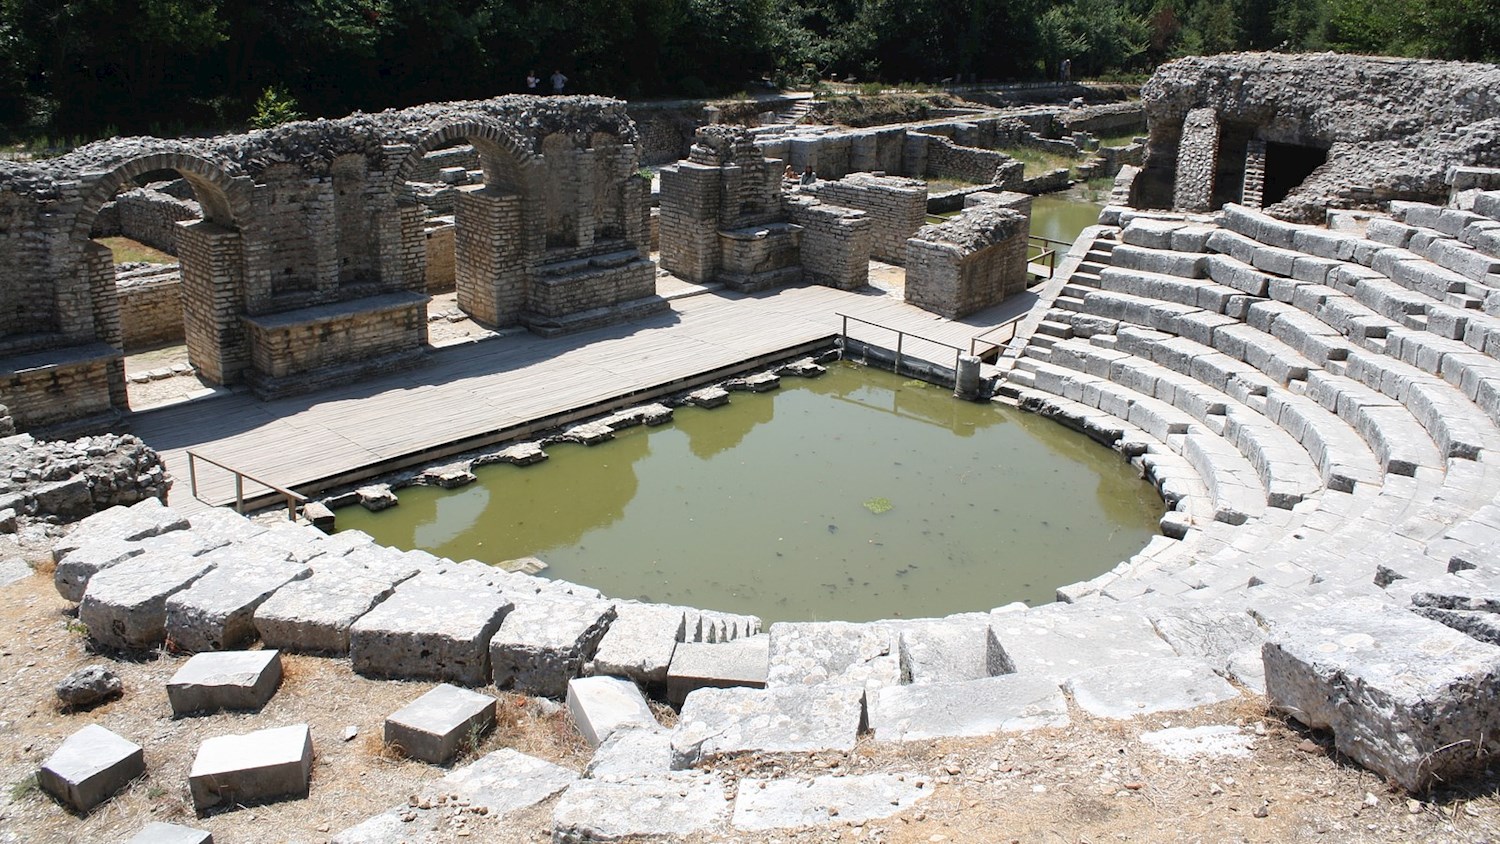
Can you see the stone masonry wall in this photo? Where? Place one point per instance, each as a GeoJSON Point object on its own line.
{"type": "Point", "coordinates": [968, 263]}
{"type": "Point", "coordinates": [66, 480]}
{"type": "Point", "coordinates": [896, 207]}
{"type": "Point", "coordinates": [340, 333]}
{"type": "Point", "coordinates": [947, 160]}
{"type": "Point", "coordinates": [151, 217]}
{"type": "Point", "coordinates": [1197, 155]}
{"type": "Point", "coordinates": [835, 248]}
{"type": "Point", "coordinates": [150, 306]}
{"type": "Point", "coordinates": [439, 243]}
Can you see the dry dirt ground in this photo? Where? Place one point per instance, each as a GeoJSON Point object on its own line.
{"type": "Point", "coordinates": [1094, 782]}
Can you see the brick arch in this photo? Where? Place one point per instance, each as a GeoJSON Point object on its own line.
{"type": "Point", "coordinates": [213, 187]}
{"type": "Point", "coordinates": [504, 156]}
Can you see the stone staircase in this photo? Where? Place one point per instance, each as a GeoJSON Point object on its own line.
{"type": "Point", "coordinates": [791, 113]}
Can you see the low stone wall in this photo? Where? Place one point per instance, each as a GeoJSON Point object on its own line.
{"type": "Point", "coordinates": [835, 243]}
{"type": "Point", "coordinates": [150, 306]}
{"type": "Point", "coordinates": [427, 169]}
{"type": "Point", "coordinates": [66, 481]}
{"type": "Point", "coordinates": [151, 217]}
{"type": "Point", "coordinates": [1104, 119]}
{"type": "Point", "coordinates": [968, 263]}
{"type": "Point", "coordinates": [299, 350]}
{"type": "Point", "coordinates": [57, 386]}
{"type": "Point", "coordinates": [945, 159]}
{"type": "Point", "coordinates": [895, 206]}
{"type": "Point", "coordinates": [601, 283]}
{"type": "Point", "coordinates": [440, 255]}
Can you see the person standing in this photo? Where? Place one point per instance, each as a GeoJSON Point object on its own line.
{"type": "Point", "coordinates": [558, 81]}
{"type": "Point", "coordinates": [532, 81]}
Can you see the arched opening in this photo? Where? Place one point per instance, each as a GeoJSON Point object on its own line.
{"type": "Point", "coordinates": [466, 189]}
{"type": "Point", "coordinates": [159, 248]}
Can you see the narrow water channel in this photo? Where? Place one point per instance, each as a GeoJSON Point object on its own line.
{"type": "Point", "coordinates": [858, 495]}
{"type": "Point", "coordinates": [1062, 216]}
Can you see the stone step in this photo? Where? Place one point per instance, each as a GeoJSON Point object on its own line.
{"type": "Point", "coordinates": [1054, 329]}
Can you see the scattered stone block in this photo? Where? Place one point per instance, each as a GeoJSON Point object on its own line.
{"type": "Point", "coordinates": [700, 665]}
{"type": "Point", "coordinates": [157, 832]}
{"type": "Point", "coordinates": [90, 767]}
{"type": "Point", "coordinates": [13, 570]}
{"type": "Point", "coordinates": [225, 680]}
{"type": "Point", "coordinates": [835, 652]}
{"type": "Point", "coordinates": [1060, 640]}
{"type": "Point", "coordinates": [1405, 696]}
{"type": "Point", "coordinates": [1005, 704]}
{"type": "Point", "coordinates": [639, 643]}
{"type": "Point", "coordinates": [523, 565]}
{"type": "Point", "coordinates": [717, 723]}
{"type": "Point", "coordinates": [589, 433]}
{"type": "Point", "coordinates": [88, 686]}
{"type": "Point", "coordinates": [74, 570]}
{"type": "Point", "coordinates": [125, 606]}
{"type": "Point", "coordinates": [485, 793]}
{"type": "Point", "coordinates": [601, 705]}
{"type": "Point", "coordinates": [793, 803]}
{"type": "Point", "coordinates": [708, 397]}
{"type": "Point", "coordinates": [804, 368]}
{"type": "Point", "coordinates": [522, 454]}
{"type": "Point", "coordinates": [544, 642]}
{"type": "Point", "coordinates": [631, 753]}
{"type": "Point", "coordinates": [437, 725]}
{"type": "Point", "coordinates": [449, 477]}
{"type": "Point", "coordinates": [218, 611]}
{"type": "Point", "coordinates": [671, 807]}
{"type": "Point", "coordinates": [255, 767]}
{"type": "Point", "coordinates": [434, 627]}
{"type": "Point", "coordinates": [320, 516]}
{"type": "Point", "coordinates": [1128, 689]}
{"type": "Point", "coordinates": [761, 382]}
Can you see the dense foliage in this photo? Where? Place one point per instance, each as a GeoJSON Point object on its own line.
{"type": "Point", "coordinates": [90, 66]}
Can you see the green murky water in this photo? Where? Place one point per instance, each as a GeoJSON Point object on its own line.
{"type": "Point", "coordinates": [854, 496]}
{"type": "Point", "coordinates": [1061, 216]}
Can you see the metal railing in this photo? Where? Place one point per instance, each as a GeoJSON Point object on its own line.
{"type": "Point", "coordinates": [1010, 325]}
{"type": "Point", "coordinates": [293, 499]}
{"type": "Point", "coordinates": [1048, 250]}
{"type": "Point", "coordinates": [901, 336]}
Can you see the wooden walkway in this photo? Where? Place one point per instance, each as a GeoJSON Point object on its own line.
{"type": "Point", "coordinates": [473, 395]}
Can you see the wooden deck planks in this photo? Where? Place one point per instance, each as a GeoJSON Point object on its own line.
{"type": "Point", "coordinates": [470, 390]}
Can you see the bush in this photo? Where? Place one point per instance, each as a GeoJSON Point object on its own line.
{"type": "Point", "coordinates": [275, 107]}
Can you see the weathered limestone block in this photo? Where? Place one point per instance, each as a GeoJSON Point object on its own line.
{"type": "Point", "coordinates": [314, 615]}
{"type": "Point", "coordinates": [709, 397]}
{"type": "Point", "coordinates": [148, 517]}
{"type": "Point", "coordinates": [1059, 640]}
{"type": "Point", "coordinates": [377, 497]}
{"type": "Point", "coordinates": [602, 705]}
{"type": "Point", "coordinates": [544, 642]}
{"type": "Point", "coordinates": [225, 680]}
{"type": "Point", "coordinates": [719, 723]}
{"type": "Point", "coordinates": [701, 665]}
{"type": "Point", "coordinates": [639, 643]}
{"type": "Point", "coordinates": [1010, 703]}
{"type": "Point", "coordinates": [157, 832]}
{"type": "Point", "coordinates": [73, 571]}
{"type": "Point", "coordinates": [760, 382]}
{"type": "Point", "coordinates": [632, 753]}
{"type": "Point", "coordinates": [792, 803]}
{"type": "Point", "coordinates": [223, 523]}
{"type": "Point", "coordinates": [440, 723]}
{"type": "Point", "coordinates": [88, 686]}
{"type": "Point", "coordinates": [1212, 635]}
{"type": "Point", "coordinates": [435, 627]}
{"type": "Point", "coordinates": [491, 789]}
{"type": "Point", "coordinates": [1126, 690]}
{"type": "Point", "coordinates": [286, 540]}
{"type": "Point", "coordinates": [218, 611]}
{"type": "Point", "coordinates": [834, 652]}
{"type": "Point", "coordinates": [946, 650]}
{"type": "Point", "coordinates": [90, 767]}
{"type": "Point", "coordinates": [670, 807]}
{"type": "Point", "coordinates": [254, 767]}
{"type": "Point", "coordinates": [1405, 696]}
{"type": "Point", "coordinates": [125, 605]}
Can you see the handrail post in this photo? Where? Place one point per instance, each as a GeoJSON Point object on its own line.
{"type": "Point", "coordinates": [239, 493]}
{"type": "Point", "coordinates": [900, 337]}
{"type": "Point", "coordinates": [844, 339]}
{"type": "Point", "coordinates": [192, 474]}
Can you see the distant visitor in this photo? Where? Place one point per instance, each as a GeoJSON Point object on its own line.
{"type": "Point", "coordinates": [558, 81]}
{"type": "Point", "coordinates": [532, 81]}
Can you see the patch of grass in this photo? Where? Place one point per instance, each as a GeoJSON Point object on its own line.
{"type": "Point", "coordinates": [1039, 161]}
{"type": "Point", "coordinates": [1123, 140]}
{"type": "Point", "coordinates": [24, 788]}
{"type": "Point", "coordinates": [78, 627]}
{"type": "Point", "coordinates": [128, 251]}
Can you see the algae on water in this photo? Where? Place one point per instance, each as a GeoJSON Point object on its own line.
{"type": "Point", "coordinates": [878, 505]}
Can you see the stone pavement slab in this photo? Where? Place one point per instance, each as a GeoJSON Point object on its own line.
{"type": "Point", "coordinates": [1060, 640]}
{"type": "Point", "coordinates": [718, 723]}
{"type": "Point", "coordinates": [946, 650]}
{"type": "Point", "coordinates": [125, 606]}
{"type": "Point", "coordinates": [834, 652]}
{"type": "Point", "coordinates": [314, 615]}
{"type": "Point", "coordinates": [217, 612]}
{"type": "Point", "coordinates": [1008, 703]}
{"type": "Point", "coordinates": [639, 643]}
{"type": "Point", "coordinates": [90, 766]}
{"type": "Point", "coordinates": [632, 752]}
{"type": "Point", "coordinates": [700, 665]}
{"type": "Point", "coordinates": [544, 642]}
{"type": "Point", "coordinates": [1128, 689]}
{"type": "Point", "coordinates": [83, 561]}
{"type": "Point", "coordinates": [763, 805]}
{"type": "Point", "coordinates": [434, 627]}
{"type": "Point", "coordinates": [670, 807]}
{"type": "Point", "coordinates": [157, 832]}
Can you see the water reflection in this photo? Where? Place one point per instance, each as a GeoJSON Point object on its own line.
{"type": "Point", "coordinates": [841, 497]}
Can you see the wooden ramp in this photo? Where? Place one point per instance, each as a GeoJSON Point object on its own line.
{"type": "Point", "coordinates": [478, 394]}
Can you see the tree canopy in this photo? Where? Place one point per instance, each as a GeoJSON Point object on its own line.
{"type": "Point", "coordinates": [94, 66]}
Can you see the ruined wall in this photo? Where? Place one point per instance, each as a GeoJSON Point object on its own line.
{"type": "Point", "coordinates": [150, 217]}
{"type": "Point", "coordinates": [944, 159]}
{"type": "Point", "coordinates": [1391, 128]}
{"type": "Point", "coordinates": [70, 480]}
{"type": "Point", "coordinates": [438, 246]}
{"type": "Point", "coordinates": [835, 244]}
{"type": "Point", "coordinates": [896, 207]}
{"type": "Point", "coordinates": [150, 306]}
{"type": "Point", "coordinates": [968, 263]}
